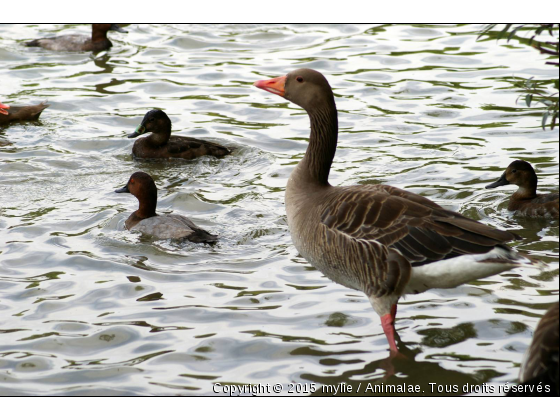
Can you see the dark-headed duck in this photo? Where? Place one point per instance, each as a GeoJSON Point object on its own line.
{"type": "Point", "coordinates": [525, 201]}
{"type": "Point", "coordinates": [12, 113]}
{"type": "Point", "coordinates": [97, 42]}
{"type": "Point", "coordinates": [145, 220]}
{"type": "Point", "coordinates": [160, 144]}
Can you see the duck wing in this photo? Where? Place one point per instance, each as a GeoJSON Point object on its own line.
{"type": "Point", "coordinates": [174, 226]}
{"type": "Point", "coordinates": [179, 145]}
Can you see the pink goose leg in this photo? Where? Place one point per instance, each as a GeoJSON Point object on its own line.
{"type": "Point", "coordinates": [388, 323]}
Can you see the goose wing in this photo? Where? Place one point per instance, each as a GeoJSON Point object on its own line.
{"type": "Point", "coordinates": [393, 230]}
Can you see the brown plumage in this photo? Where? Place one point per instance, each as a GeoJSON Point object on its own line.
{"type": "Point", "coordinates": [540, 365]}
{"type": "Point", "coordinates": [97, 42]}
{"type": "Point", "coordinates": [378, 239]}
{"type": "Point", "coordinates": [145, 220]}
{"type": "Point", "coordinates": [21, 113]}
{"type": "Point", "coordinates": [160, 144]}
{"type": "Point", "coordinates": [525, 201]}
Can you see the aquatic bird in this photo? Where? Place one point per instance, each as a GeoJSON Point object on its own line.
{"type": "Point", "coordinates": [145, 220]}
{"type": "Point", "coordinates": [97, 42]}
{"type": "Point", "coordinates": [378, 239]}
{"type": "Point", "coordinates": [540, 365]}
{"type": "Point", "coordinates": [525, 201]}
{"type": "Point", "coordinates": [160, 144]}
{"type": "Point", "coordinates": [11, 113]}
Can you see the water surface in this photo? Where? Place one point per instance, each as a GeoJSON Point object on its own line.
{"type": "Point", "coordinates": [89, 308]}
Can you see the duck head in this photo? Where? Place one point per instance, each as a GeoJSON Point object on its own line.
{"type": "Point", "coordinates": [142, 186]}
{"type": "Point", "coordinates": [304, 87]}
{"type": "Point", "coordinates": [520, 173]}
{"type": "Point", "coordinates": [155, 121]}
{"type": "Point", "coordinates": [4, 108]}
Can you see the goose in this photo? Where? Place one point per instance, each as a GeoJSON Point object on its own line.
{"type": "Point", "coordinates": [383, 241]}
{"type": "Point", "coordinates": [525, 201]}
{"type": "Point", "coordinates": [145, 220]}
{"type": "Point", "coordinates": [11, 113]}
{"type": "Point", "coordinates": [160, 144]}
{"type": "Point", "coordinates": [540, 365]}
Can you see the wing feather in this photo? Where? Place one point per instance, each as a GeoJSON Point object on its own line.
{"type": "Point", "coordinates": [411, 229]}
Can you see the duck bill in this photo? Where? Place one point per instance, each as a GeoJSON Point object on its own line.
{"type": "Point", "coordinates": [115, 27]}
{"type": "Point", "coordinates": [275, 86]}
{"type": "Point", "coordinates": [4, 108]}
{"type": "Point", "coordinates": [502, 181]}
{"type": "Point", "coordinates": [139, 130]}
{"type": "Point", "coordinates": [123, 189]}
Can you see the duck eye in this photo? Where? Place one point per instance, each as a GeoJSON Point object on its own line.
{"type": "Point", "coordinates": [299, 79]}
{"type": "Point", "coordinates": [132, 181]}
{"type": "Point", "coordinates": [514, 171]}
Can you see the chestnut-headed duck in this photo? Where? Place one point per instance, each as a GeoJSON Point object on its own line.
{"type": "Point", "coordinates": [525, 201]}
{"type": "Point", "coordinates": [97, 42]}
{"type": "Point", "coordinates": [11, 113]}
{"type": "Point", "coordinates": [160, 144]}
{"type": "Point", "coordinates": [145, 220]}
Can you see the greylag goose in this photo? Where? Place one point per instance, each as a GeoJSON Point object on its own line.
{"type": "Point", "coordinates": [9, 114]}
{"type": "Point", "coordinates": [525, 201]}
{"type": "Point", "coordinates": [160, 144]}
{"type": "Point", "coordinates": [378, 239]}
{"type": "Point", "coordinates": [97, 42]}
{"type": "Point", "coordinates": [145, 220]}
{"type": "Point", "coordinates": [540, 365]}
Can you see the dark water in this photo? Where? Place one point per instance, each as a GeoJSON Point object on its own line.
{"type": "Point", "coordinates": [88, 308]}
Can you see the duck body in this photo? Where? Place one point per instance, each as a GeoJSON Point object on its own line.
{"type": "Point", "coordinates": [75, 43]}
{"type": "Point", "coordinates": [541, 362]}
{"type": "Point", "coordinates": [525, 201]}
{"type": "Point", "coordinates": [541, 206]}
{"type": "Point", "coordinates": [178, 147]}
{"type": "Point", "coordinates": [146, 221]}
{"type": "Point", "coordinates": [22, 113]}
{"type": "Point", "coordinates": [160, 144]}
{"type": "Point", "coordinates": [378, 239]}
{"type": "Point", "coordinates": [170, 226]}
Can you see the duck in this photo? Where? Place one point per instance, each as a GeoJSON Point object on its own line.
{"type": "Point", "coordinates": [11, 113]}
{"type": "Point", "coordinates": [146, 221]}
{"type": "Point", "coordinates": [378, 239]}
{"type": "Point", "coordinates": [97, 42]}
{"type": "Point", "coordinates": [525, 201]}
{"type": "Point", "coordinates": [160, 144]}
{"type": "Point", "coordinates": [540, 365]}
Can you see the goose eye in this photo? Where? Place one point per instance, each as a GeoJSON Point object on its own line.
{"type": "Point", "coordinates": [299, 79]}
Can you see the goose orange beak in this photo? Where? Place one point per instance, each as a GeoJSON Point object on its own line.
{"type": "Point", "coordinates": [275, 86]}
{"type": "Point", "coordinates": [3, 109]}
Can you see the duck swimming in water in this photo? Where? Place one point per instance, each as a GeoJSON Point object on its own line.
{"type": "Point", "coordinates": [160, 144]}
{"type": "Point", "coordinates": [525, 201]}
{"type": "Point", "coordinates": [145, 220]}
{"type": "Point", "coordinates": [13, 113]}
{"type": "Point", "coordinates": [97, 42]}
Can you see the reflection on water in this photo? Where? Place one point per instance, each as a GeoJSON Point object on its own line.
{"type": "Point", "coordinates": [88, 308]}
